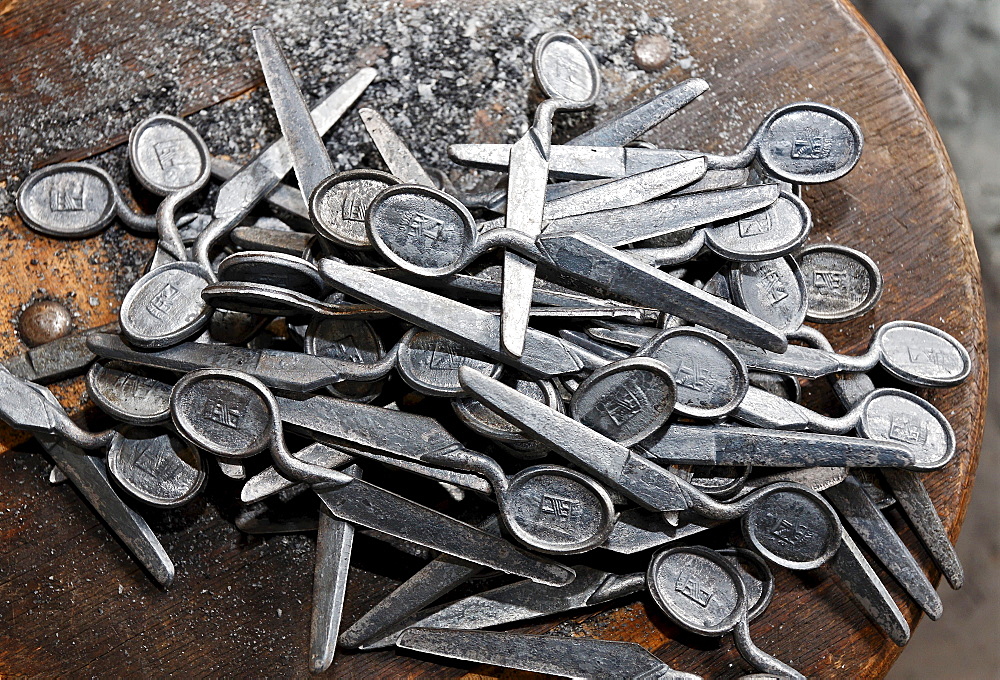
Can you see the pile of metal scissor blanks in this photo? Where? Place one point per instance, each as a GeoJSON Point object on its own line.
{"type": "Point", "coordinates": [618, 379]}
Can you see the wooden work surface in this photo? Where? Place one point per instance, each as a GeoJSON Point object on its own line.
{"type": "Point", "coordinates": [72, 603]}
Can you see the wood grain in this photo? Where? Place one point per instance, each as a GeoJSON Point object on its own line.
{"type": "Point", "coordinates": [72, 602]}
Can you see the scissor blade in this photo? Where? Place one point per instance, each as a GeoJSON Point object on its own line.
{"type": "Point", "coordinates": [622, 226]}
{"type": "Point", "coordinates": [309, 155]}
{"type": "Point", "coordinates": [871, 595]}
{"type": "Point", "coordinates": [525, 206]}
{"type": "Point", "coordinates": [253, 181]}
{"type": "Point", "coordinates": [511, 603]}
{"type": "Point", "coordinates": [575, 162]}
{"type": "Point", "coordinates": [565, 656]}
{"type": "Point", "coordinates": [379, 433]}
{"type": "Point", "coordinates": [618, 193]}
{"type": "Point", "coordinates": [56, 360]}
{"type": "Point", "coordinates": [912, 495]}
{"type": "Point", "coordinates": [588, 259]}
{"type": "Point", "coordinates": [628, 126]}
{"type": "Point", "coordinates": [439, 577]}
{"type": "Point", "coordinates": [291, 371]}
{"type": "Point", "coordinates": [646, 483]}
{"type": "Point", "coordinates": [855, 505]}
{"type": "Point", "coordinates": [361, 503]}
{"type": "Point", "coordinates": [241, 192]}
{"type": "Point", "coordinates": [269, 481]}
{"type": "Point", "coordinates": [334, 540]}
{"type": "Point", "coordinates": [801, 361]}
{"type": "Point", "coordinates": [544, 355]}
{"type": "Point", "coordinates": [283, 196]}
{"type": "Point", "coordinates": [722, 445]}
{"type": "Point", "coordinates": [909, 490]}
{"type": "Point", "coordinates": [397, 156]}
{"type": "Point", "coordinates": [90, 477]}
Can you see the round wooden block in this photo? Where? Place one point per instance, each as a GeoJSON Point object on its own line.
{"type": "Point", "coordinates": [72, 601]}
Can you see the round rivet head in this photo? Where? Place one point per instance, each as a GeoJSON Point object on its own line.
{"type": "Point", "coordinates": [44, 321]}
{"type": "Point", "coordinates": [652, 52]}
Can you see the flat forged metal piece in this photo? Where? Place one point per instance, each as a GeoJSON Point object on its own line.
{"type": "Point", "coordinates": [772, 290]}
{"type": "Point", "coordinates": [702, 592]}
{"type": "Point", "coordinates": [347, 340]}
{"type": "Point", "coordinates": [396, 155]}
{"type": "Point", "coordinates": [69, 200]}
{"type": "Point", "coordinates": [763, 235]}
{"type": "Point", "coordinates": [841, 283]}
{"type": "Point", "coordinates": [57, 360]}
{"type": "Point", "coordinates": [261, 298]}
{"type": "Point", "coordinates": [305, 144]}
{"type": "Point", "coordinates": [281, 196]}
{"type": "Point", "coordinates": [794, 528]}
{"type": "Point", "coordinates": [549, 508]}
{"type": "Point", "coordinates": [544, 355]}
{"type": "Point", "coordinates": [339, 205]}
{"type": "Point", "coordinates": [164, 307]}
{"type": "Point", "coordinates": [710, 378]}
{"type": "Point", "coordinates": [130, 393]}
{"type": "Point", "coordinates": [273, 269]}
{"type": "Point", "coordinates": [156, 466]}
{"type": "Point", "coordinates": [626, 400]}
{"type": "Point", "coordinates": [90, 477]}
{"type": "Point", "coordinates": [272, 240]}
{"type": "Point", "coordinates": [572, 657]}
{"type": "Point", "coordinates": [429, 363]}
{"type": "Point", "coordinates": [916, 353]}
{"type": "Point", "coordinates": [803, 143]}
{"type": "Point", "coordinates": [255, 180]}
{"type": "Point", "coordinates": [166, 154]}
{"type": "Point", "coordinates": [567, 74]}
{"type": "Point", "coordinates": [483, 420]}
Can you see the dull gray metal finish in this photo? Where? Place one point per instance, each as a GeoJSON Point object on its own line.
{"type": "Point", "coordinates": [156, 466]}
{"type": "Point", "coordinates": [727, 445]}
{"type": "Point", "coordinates": [439, 577]}
{"type": "Point", "coordinates": [272, 240]}
{"type": "Point", "coordinates": [794, 528]}
{"type": "Point", "coordinates": [282, 196]}
{"type": "Point", "coordinates": [273, 269]}
{"type": "Point", "coordinates": [841, 283]}
{"type": "Point", "coordinates": [625, 225]}
{"type": "Point", "coordinates": [701, 591]}
{"type": "Point", "coordinates": [564, 656]}
{"type": "Point", "coordinates": [164, 307]}
{"type": "Point", "coordinates": [348, 340]}
{"type": "Point", "coordinates": [772, 290]}
{"type": "Point", "coordinates": [396, 155]}
{"type": "Point", "coordinates": [803, 143]}
{"type": "Point", "coordinates": [515, 602]}
{"type": "Point", "coordinates": [57, 360]}
{"type": "Point", "coordinates": [568, 75]}
{"type": "Point", "coordinates": [75, 200]}
{"type": "Point", "coordinates": [429, 363]}
{"type": "Point", "coordinates": [626, 400]}
{"type": "Point", "coordinates": [309, 155]}
{"type": "Point", "coordinates": [348, 498]}
{"type": "Point", "coordinates": [483, 420]}
{"type": "Point", "coordinates": [130, 393]}
{"type": "Point", "coordinates": [711, 380]}
{"type": "Point", "coordinates": [334, 541]}
{"type": "Point", "coordinates": [255, 180]}
{"type": "Point", "coordinates": [913, 352]}
{"type": "Point", "coordinates": [269, 481]}
{"type": "Point", "coordinates": [617, 272]}
{"type": "Point", "coordinates": [89, 475]}
{"type": "Point", "coordinates": [260, 298]}
{"type": "Point", "coordinates": [340, 204]}
{"type": "Point", "coordinates": [544, 355]}
{"type": "Point", "coordinates": [282, 370]}
{"type": "Point", "coordinates": [864, 517]}
{"type": "Point", "coordinates": [27, 406]}
{"type": "Point", "coordinates": [850, 564]}
{"type": "Point", "coordinates": [549, 508]}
